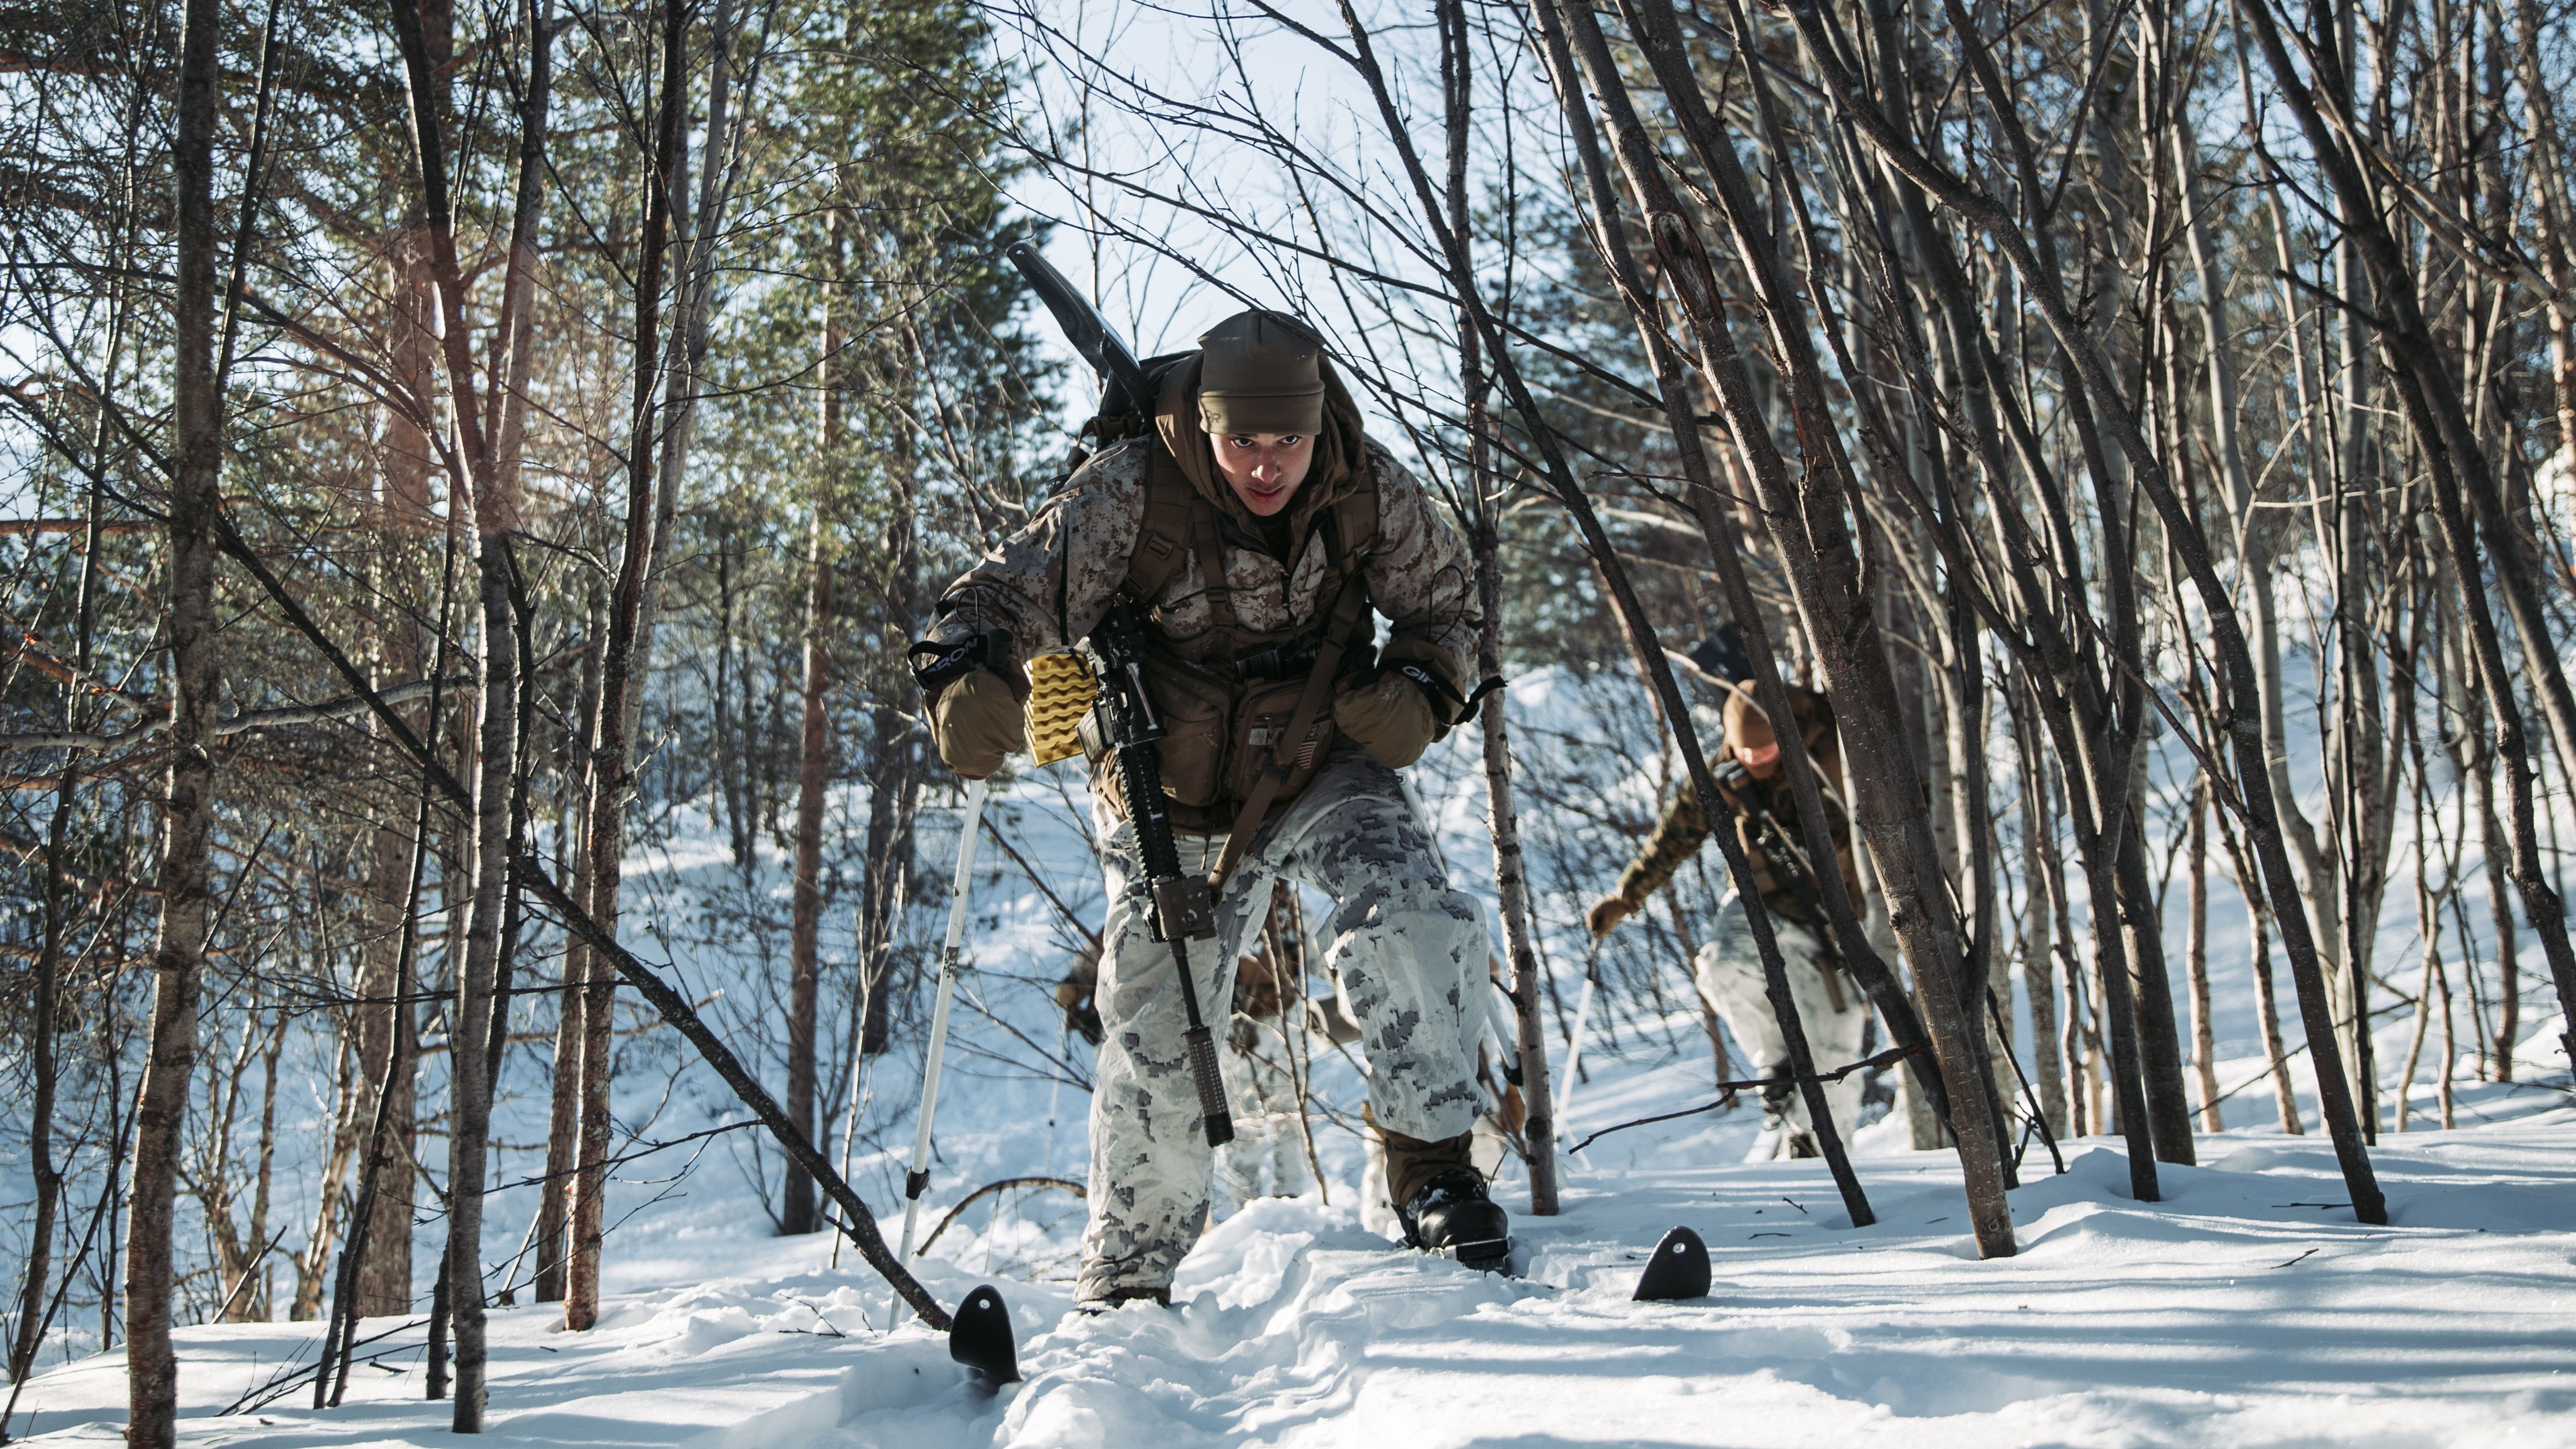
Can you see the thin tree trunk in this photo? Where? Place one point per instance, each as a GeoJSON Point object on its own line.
{"type": "Point", "coordinates": [2204, 1036]}
{"type": "Point", "coordinates": [45, 1007]}
{"type": "Point", "coordinates": [621, 686]}
{"type": "Point", "coordinates": [563, 1122]}
{"type": "Point", "coordinates": [2450, 1049]}
{"type": "Point", "coordinates": [386, 1025]}
{"type": "Point", "coordinates": [312, 1264]}
{"type": "Point", "coordinates": [385, 1153]}
{"type": "Point", "coordinates": [2159, 1040]}
{"type": "Point", "coordinates": [813, 778]}
{"type": "Point", "coordinates": [246, 1306]}
{"type": "Point", "coordinates": [2039, 921]}
{"type": "Point", "coordinates": [1511, 878]}
{"type": "Point", "coordinates": [2267, 1012]}
{"type": "Point", "coordinates": [2496, 852]}
{"type": "Point", "coordinates": [188, 823]}
{"type": "Point", "coordinates": [492, 484]}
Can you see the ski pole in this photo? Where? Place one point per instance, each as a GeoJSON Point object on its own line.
{"type": "Point", "coordinates": [1055, 1089]}
{"type": "Point", "coordinates": [858, 1088]}
{"type": "Point", "coordinates": [919, 1176]}
{"type": "Point", "coordinates": [1574, 1056]}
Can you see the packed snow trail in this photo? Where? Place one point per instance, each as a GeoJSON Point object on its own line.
{"type": "Point", "coordinates": [2247, 1308]}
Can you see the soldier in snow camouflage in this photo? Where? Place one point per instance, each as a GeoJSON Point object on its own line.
{"type": "Point", "coordinates": [1728, 968]}
{"type": "Point", "coordinates": [1254, 503]}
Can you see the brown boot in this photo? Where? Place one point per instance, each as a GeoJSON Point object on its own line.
{"type": "Point", "coordinates": [1439, 1196]}
{"type": "Point", "coordinates": [1412, 1162]}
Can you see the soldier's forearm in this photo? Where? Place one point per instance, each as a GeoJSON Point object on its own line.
{"type": "Point", "coordinates": [1679, 834]}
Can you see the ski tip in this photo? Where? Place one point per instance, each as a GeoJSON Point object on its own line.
{"type": "Point", "coordinates": [979, 1336]}
{"type": "Point", "coordinates": [1678, 1270]}
{"type": "Point", "coordinates": [1490, 1255]}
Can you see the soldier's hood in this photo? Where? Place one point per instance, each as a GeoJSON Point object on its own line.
{"type": "Point", "coordinates": [1339, 450]}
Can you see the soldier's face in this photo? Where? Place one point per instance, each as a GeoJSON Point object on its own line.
{"type": "Point", "coordinates": [1264, 469]}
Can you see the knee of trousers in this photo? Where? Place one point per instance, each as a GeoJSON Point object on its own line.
{"type": "Point", "coordinates": [1145, 1112]}
{"type": "Point", "coordinates": [1732, 982]}
{"type": "Point", "coordinates": [1834, 1036]}
{"type": "Point", "coordinates": [1409, 968]}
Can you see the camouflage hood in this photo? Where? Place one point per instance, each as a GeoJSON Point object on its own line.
{"type": "Point", "coordinates": [1338, 449]}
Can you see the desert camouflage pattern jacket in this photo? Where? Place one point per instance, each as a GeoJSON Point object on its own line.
{"type": "Point", "coordinates": [1765, 822]}
{"type": "Point", "coordinates": [1045, 586]}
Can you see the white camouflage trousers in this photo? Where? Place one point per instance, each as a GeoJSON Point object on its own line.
{"type": "Point", "coordinates": [1267, 1157]}
{"type": "Point", "coordinates": [1729, 970]}
{"type": "Point", "coordinates": [1404, 946]}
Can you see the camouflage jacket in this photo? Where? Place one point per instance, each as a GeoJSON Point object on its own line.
{"type": "Point", "coordinates": [1766, 824]}
{"type": "Point", "coordinates": [1045, 586]}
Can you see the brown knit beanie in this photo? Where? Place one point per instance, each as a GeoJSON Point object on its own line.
{"type": "Point", "coordinates": [1261, 372]}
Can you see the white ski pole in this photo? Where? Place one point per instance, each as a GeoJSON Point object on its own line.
{"type": "Point", "coordinates": [1564, 1083]}
{"type": "Point", "coordinates": [919, 1176]}
{"type": "Point", "coordinates": [1055, 1087]}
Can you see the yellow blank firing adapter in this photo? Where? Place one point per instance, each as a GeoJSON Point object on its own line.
{"type": "Point", "coordinates": [1061, 689]}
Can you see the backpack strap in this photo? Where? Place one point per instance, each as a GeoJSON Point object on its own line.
{"type": "Point", "coordinates": [1177, 522]}
{"type": "Point", "coordinates": [1207, 540]}
{"type": "Point", "coordinates": [1164, 534]}
{"type": "Point", "coordinates": [1354, 520]}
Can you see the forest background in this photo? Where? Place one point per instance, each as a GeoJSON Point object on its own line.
{"type": "Point", "coordinates": [452, 451]}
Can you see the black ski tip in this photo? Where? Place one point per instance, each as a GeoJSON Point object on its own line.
{"type": "Point", "coordinates": [1678, 1270]}
{"type": "Point", "coordinates": [980, 1338]}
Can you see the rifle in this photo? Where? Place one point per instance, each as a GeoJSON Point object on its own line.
{"type": "Point", "coordinates": [1127, 388]}
{"type": "Point", "coordinates": [1780, 850]}
{"type": "Point", "coordinates": [1181, 907]}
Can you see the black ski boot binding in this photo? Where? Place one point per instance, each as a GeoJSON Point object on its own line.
{"type": "Point", "coordinates": [1450, 1215]}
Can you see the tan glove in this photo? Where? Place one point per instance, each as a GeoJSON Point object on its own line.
{"type": "Point", "coordinates": [1607, 913]}
{"type": "Point", "coordinates": [1081, 1009]}
{"type": "Point", "coordinates": [975, 722]}
{"type": "Point", "coordinates": [1390, 718]}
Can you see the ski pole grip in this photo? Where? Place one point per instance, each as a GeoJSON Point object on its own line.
{"type": "Point", "coordinates": [1212, 1108]}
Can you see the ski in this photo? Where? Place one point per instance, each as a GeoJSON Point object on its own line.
{"type": "Point", "coordinates": [1678, 1270]}
{"type": "Point", "coordinates": [1492, 1255]}
{"type": "Point", "coordinates": [979, 1336]}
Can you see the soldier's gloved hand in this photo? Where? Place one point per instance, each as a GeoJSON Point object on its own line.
{"type": "Point", "coordinates": [1081, 1011]}
{"type": "Point", "coordinates": [975, 722]}
{"type": "Point", "coordinates": [1607, 913]}
{"type": "Point", "coordinates": [1390, 717]}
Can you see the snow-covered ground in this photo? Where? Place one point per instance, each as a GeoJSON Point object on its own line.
{"type": "Point", "coordinates": [2247, 1307]}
